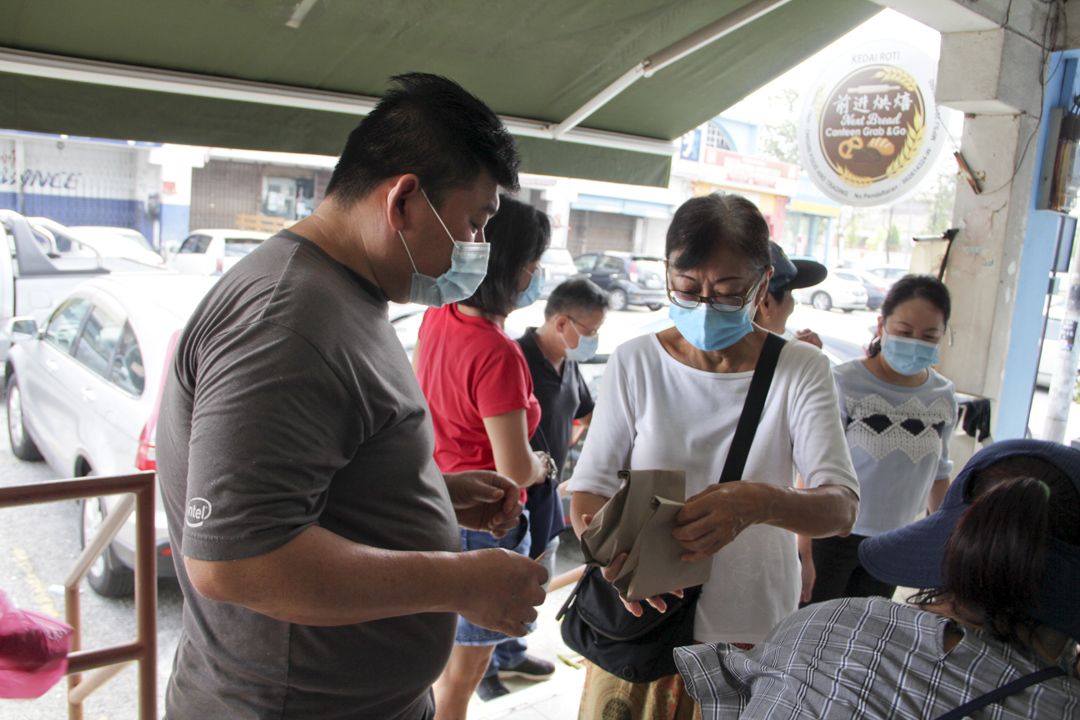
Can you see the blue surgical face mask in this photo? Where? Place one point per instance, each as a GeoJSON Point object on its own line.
{"type": "Point", "coordinates": [586, 348]}
{"type": "Point", "coordinates": [468, 267]}
{"type": "Point", "coordinates": [908, 356]}
{"type": "Point", "coordinates": [708, 329]}
{"type": "Point", "coordinates": [531, 294]}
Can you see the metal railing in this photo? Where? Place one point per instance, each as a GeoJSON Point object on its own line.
{"type": "Point", "coordinates": [103, 664]}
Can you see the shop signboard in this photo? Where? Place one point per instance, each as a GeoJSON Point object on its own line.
{"type": "Point", "coordinates": [869, 131]}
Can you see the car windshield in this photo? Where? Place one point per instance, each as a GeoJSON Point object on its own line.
{"type": "Point", "coordinates": [239, 247]}
{"type": "Point", "coordinates": [105, 234]}
{"type": "Point", "coordinates": [112, 244]}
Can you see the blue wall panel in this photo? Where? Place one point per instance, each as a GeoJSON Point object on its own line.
{"type": "Point", "coordinates": [82, 211]}
{"type": "Point", "coordinates": [175, 223]}
{"type": "Point", "coordinates": [1036, 261]}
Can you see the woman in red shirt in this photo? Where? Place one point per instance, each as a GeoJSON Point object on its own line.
{"type": "Point", "coordinates": [480, 392]}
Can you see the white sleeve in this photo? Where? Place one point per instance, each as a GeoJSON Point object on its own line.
{"type": "Point", "coordinates": [945, 465]}
{"type": "Point", "coordinates": [820, 450]}
{"type": "Point", "coordinates": [610, 440]}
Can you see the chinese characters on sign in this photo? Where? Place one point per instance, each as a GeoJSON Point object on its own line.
{"type": "Point", "coordinates": [870, 134]}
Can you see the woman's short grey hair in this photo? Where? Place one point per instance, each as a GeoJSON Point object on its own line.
{"type": "Point", "coordinates": [704, 225]}
{"type": "Point", "coordinates": [578, 294]}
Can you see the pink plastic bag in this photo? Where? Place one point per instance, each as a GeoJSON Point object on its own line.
{"type": "Point", "coordinates": [33, 651]}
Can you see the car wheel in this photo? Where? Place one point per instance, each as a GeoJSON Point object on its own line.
{"type": "Point", "coordinates": [617, 299]}
{"type": "Point", "coordinates": [22, 445]}
{"type": "Point", "coordinates": [654, 306]}
{"type": "Point", "coordinates": [821, 301]}
{"type": "Point", "coordinates": [107, 576]}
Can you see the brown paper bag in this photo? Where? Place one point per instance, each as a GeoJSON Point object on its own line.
{"type": "Point", "coordinates": [639, 520]}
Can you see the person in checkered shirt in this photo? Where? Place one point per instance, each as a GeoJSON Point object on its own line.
{"type": "Point", "coordinates": [1000, 566]}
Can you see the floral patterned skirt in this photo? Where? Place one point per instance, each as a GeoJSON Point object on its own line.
{"type": "Point", "coordinates": [607, 697]}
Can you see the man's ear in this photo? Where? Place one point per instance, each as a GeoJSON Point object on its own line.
{"type": "Point", "coordinates": [401, 190]}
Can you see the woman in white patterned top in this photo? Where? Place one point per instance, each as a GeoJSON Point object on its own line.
{"type": "Point", "coordinates": [898, 414]}
{"type": "Point", "coordinates": [994, 635]}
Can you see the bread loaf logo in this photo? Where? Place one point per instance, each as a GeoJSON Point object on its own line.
{"type": "Point", "coordinates": [872, 125]}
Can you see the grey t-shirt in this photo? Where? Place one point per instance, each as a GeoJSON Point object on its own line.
{"type": "Point", "coordinates": [899, 440]}
{"type": "Point", "coordinates": [290, 403]}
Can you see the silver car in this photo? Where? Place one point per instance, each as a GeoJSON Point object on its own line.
{"type": "Point", "coordinates": [840, 290]}
{"type": "Point", "coordinates": [82, 394]}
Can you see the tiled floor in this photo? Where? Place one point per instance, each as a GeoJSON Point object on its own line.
{"type": "Point", "coordinates": [554, 699]}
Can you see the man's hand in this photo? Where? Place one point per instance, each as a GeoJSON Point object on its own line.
{"type": "Point", "coordinates": [809, 336]}
{"type": "Point", "coordinates": [612, 571]}
{"type": "Point", "coordinates": [484, 500]}
{"type": "Point", "coordinates": [714, 517]}
{"type": "Point", "coordinates": [502, 591]}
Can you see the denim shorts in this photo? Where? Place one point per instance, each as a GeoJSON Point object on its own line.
{"type": "Point", "coordinates": [518, 541]}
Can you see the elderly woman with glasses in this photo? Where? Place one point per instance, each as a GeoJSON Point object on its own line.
{"type": "Point", "coordinates": [672, 401]}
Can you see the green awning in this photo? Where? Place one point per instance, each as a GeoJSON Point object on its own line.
{"type": "Point", "coordinates": [535, 62]}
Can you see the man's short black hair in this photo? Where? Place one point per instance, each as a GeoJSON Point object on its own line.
{"type": "Point", "coordinates": [427, 125]}
{"type": "Point", "coordinates": [519, 234]}
{"type": "Point", "coordinates": [573, 295]}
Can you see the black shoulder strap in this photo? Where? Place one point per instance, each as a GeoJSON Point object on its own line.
{"type": "Point", "coordinates": [752, 408]}
{"type": "Point", "coordinates": [1002, 692]}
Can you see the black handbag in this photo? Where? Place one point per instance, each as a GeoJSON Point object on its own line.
{"type": "Point", "coordinates": [639, 649]}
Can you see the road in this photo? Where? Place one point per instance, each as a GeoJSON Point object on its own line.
{"type": "Point", "coordinates": [39, 544]}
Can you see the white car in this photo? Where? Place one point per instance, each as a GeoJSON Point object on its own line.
{"type": "Point", "coordinates": [212, 252]}
{"type": "Point", "coordinates": [92, 241]}
{"type": "Point", "coordinates": [109, 230]}
{"type": "Point", "coordinates": [839, 289]}
{"type": "Point", "coordinates": [82, 393]}
{"type": "Point", "coordinates": [116, 242]}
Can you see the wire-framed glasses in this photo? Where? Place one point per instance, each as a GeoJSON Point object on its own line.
{"type": "Point", "coordinates": [582, 328]}
{"type": "Point", "coordinates": [721, 303]}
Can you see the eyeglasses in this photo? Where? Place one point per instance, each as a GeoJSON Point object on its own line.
{"type": "Point", "coordinates": [579, 325]}
{"type": "Point", "coordinates": [721, 303]}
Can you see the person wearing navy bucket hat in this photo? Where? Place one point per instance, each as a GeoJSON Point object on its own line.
{"type": "Point", "coordinates": [991, 633]}
{"type": "Point", "coordinates": [778, 303]}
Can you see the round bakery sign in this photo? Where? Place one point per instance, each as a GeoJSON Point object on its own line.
{"type": "Point", "coordinates": [869, 133]}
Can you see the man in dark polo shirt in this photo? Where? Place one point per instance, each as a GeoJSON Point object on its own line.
{"type": "Point", "coordinates": [572, 319]}
{"type": "Point", "coordinates": [314, 538]}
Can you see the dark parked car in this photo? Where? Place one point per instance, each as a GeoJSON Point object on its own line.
{"type": "Point", "coordinates": [876, 287]}
{"type": "Point", "coordinates": [629, 279]}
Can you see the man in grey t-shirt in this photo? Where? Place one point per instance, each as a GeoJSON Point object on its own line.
{"type": "Point", "coordinates": [315, 540]}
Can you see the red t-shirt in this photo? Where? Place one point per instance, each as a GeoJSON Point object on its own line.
{"type": "Point", "coordinates": [469, 369]}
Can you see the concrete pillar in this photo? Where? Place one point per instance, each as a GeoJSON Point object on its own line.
{"type": "Point", "coordinates": [558, 197]}
{"type": "Point", "coordinates": [992, 69]}
{"type": "Point", "coordinates": [177, 162]}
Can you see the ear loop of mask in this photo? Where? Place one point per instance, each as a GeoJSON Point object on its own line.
{"type": "Point", "coordinates": [411, 261]}
{"type": "Point", "coordinates": [437, 216]}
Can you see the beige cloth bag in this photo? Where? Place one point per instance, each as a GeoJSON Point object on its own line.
{"type": "Point", "coordinates": [639, 520]}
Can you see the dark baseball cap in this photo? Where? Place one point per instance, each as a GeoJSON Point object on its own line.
{"type": "Point", "coordinates": [791, 274]}
{"type": "Point", "coordinates": [912, 555]}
